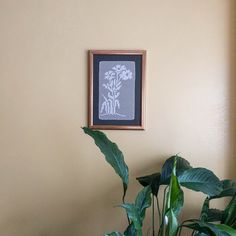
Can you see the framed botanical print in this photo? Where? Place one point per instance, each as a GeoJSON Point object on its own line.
{"type": "Point", "coordinates": [116, 89]}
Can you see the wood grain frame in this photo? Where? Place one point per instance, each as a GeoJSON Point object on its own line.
{"type": "Point", "coordinates": [91, 123]}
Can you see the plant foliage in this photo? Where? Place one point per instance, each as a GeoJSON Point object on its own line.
{"type": "Point", "coordinates": [175, 173]}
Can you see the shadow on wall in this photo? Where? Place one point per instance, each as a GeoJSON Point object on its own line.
{"type": "Point", "coordinates": [232, 91]}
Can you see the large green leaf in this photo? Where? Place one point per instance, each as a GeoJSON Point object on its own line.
{"type": "Point", "coordinates": [174, 204]}
{"type": "Point", "coordinates": [172, 223]}
{"type": "Point", "coordinates": [143, 201]}
{"type": "Point", "coordinates": [225, 228]}
{"type": "Point", "coordinates": [130, 231]}
{"type": "Point", "coordinates": [167, 168]}
{"type": "Point", "coordinates": [214, 215]}
{"type": "Point", "coordinates": [210, 215]}
{"type": "Point", "coordinates": [201, 179]}
{"type": "Point", "coordinates": [175, 196]}
{"type": "Point", "coordinates": [205, 210]}
{"type": "Point", "coordinates": [136, 212]}
{"type": "Point", "coordinates": [210, 229]}
{"type": "Point", "coordinates": [134, 216]}
{"type": "Point", "coordinates": [153, 180]}
{"type": "Point", "coordinates": [229, 189]}
{"type": "Point", "coordinates": [112, 154]}
{"type": "Point", "coordinates": [114, 234]}
{"type": "Point", "coordinates": [229, 217]}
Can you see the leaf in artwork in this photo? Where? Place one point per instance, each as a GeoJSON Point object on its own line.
{"type": "Point", "coordinates": [119, 87]}
{"type": "Point", "coordinates": [103, 106]}
{"type": "Point", "coordinates": [117, 95]}
{"type": "Point", "coordinates": [110, 96]}
{"type": "Point", "coordinates": [117, 103]}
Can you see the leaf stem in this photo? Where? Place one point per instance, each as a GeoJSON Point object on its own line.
{"type": "Point", "coordinates": [153, 216]}
{"type": "Point", "coordinates": [123, 200]}
{"type": "Point", "coordinates": [159, 211]}
{"type": "Point", "coordinates": [161, 229]}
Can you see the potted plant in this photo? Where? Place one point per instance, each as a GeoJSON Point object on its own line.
{"type": "Point", "coordinates": [175, 174]}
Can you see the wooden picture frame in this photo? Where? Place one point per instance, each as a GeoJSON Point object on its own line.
{"type": "Point", "coordinates": [116, 89]}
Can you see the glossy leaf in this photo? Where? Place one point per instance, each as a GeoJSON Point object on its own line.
{"type": "Point", "coordinates": [130, 231]}
{"type": "Point", "coordinates": [229, 217]}
{"type": "Point", "coordinates": [136, 212]}
{"type": "Point", "coordinates": [167, 168]}
{"type": "Point", "coordinates": [205, 210]}
{"type": "Point", "coordinates": [112, 154]}
{"type": "Point", "coordinates": [225, 228]}
{"type": "Point", "coordinates": [172, 223]}
{"type": "Point", "coordinates": [201, 234]}
{"type": "Point", "coordinates": [229, 189]}
{"type": "Point", "coordinates": [210, 229]}
{"type": "Point", "coordinates": [201, 179]}
{"type": "Point", "coordinates": [114, 234]}
{"type": "Point", "coordinates": [153, 180]}
{"type": "Point", "coordinates": [175, 200]}
{"type": "Point", "coordinates": [143, 201]}
{"type": "Point", "coordinates": [214, 215]}
{"type": "Point", "coordinates": [175, 197]}
{"type": "Point", "coordinates": [133, 214]}
{"type": "Point", "coordinates": [210, 215]}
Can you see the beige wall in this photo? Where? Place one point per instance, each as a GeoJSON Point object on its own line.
{"type": "Point", "coordinates": [53, 180]}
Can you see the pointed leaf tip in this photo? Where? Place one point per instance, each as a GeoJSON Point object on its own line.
{"type": "Point", "coordinates": [112, 154]}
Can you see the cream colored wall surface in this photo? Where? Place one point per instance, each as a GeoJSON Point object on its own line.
{"type": "Point", "coordinates": [53, 180]}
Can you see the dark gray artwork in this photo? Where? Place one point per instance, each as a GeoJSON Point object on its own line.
{"type": "Point", "coordinates": [116, 90]}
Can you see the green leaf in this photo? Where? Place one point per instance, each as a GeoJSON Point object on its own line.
{"type": "Point", "coordinates": [167, 168]}
{"type": "Point", "coordinates": [201, 234]}
{"type": "Point", "coordinates": [133, 214]}
{"type": "Point", "coordinates": [229, 217]}
{"type": "Point", "coordinates": [172, 224]}
{"type": "Point", "coordinates": [175, 200]}
{"type": "Point", "coordinates": [214, 215]}
{"type": "Point", "coordinates": [175, 197]}
{"type": "Point", "coordinates": [209, 214]}
{"type": "Point", "coordinates": [207, 228]}
{"type": "Point", "coordinates": [114, 234]}
{"type": "Point", "coordinates": [227, 229]}
{"type": "Point", "coordinates": [112, 154]}
{"type": "Point", "coordinates": [136, 212]}
{"type": "Point", "coordinates": [153, 180]}
{"type": "Point", "coordinates": [201, 179]}
{"type": "Point", "coordinates": [143, 201]}
{"type": "Point", "coordinates": [229, 189]}
{"type": "Point", "coordinates": [130, 231]}
{"type": "Point", "coordinates": [205, 210]}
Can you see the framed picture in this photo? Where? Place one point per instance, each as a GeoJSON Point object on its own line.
{"type": "Point", "coordinates": [116, 89]}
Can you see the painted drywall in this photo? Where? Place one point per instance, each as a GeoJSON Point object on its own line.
{"type": "Point", "coordinates": [53, 180]}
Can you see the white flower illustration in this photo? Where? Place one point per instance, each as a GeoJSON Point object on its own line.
{"type": "Point", "coordinates": [119, 68]}
{"type": "Point", "coordinates": [126, 74]}
{"type": "Point", "coordinates": [115, 77]}
{"type": "Point", "coordinates": [109, 75]}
